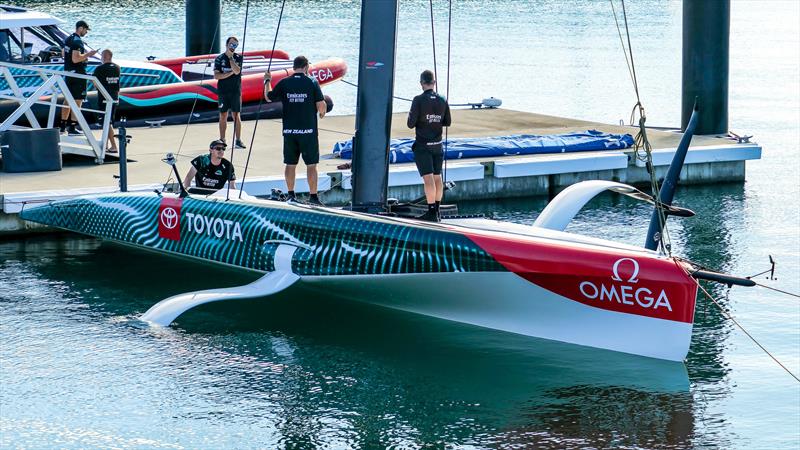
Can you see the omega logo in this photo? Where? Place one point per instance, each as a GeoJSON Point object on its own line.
{"type": "Point", "coordinates": [623, 292]}
{"type": "Point", "coordinates": [169, 218]}
{"type": "Point", "coordinates": [615, 270]}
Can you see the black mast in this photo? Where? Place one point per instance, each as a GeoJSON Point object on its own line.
{"type": "Point", "coordinates": [376, 59]}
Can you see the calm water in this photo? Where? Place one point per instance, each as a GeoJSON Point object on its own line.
{"type": "Point", "coordinates": [77, 370]}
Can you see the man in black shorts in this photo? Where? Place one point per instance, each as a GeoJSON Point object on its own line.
{"type": "Point", "coordinates": [108, 75]}
{"type": "Point", "coordinates": [228, 73]}
{"type": "Point", "coordinates": [302, 100]}
{"type": "Point", "coordinates": [211, 171]}
{"type": "Point", "coordinates": [429, 113]}
{"type": "Point", "coordinates": [75, 60]}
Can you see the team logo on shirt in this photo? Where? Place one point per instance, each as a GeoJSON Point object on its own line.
{"type": "Point", "coordinates": [374, 65]}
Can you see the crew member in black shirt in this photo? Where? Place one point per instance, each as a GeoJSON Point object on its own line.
{"type": "Point", "coordinates": [108, 75]}
{"type": "Point", "coordinates": [429, 113]}
{"type": "Point", "coordinates": [302, 100]}
{"type": "Point", "coordinates": [211, 171]}
{"type": "Point", "coordinates": [228, 73]}
{"type": "Point", "coordinates": [75, 60]}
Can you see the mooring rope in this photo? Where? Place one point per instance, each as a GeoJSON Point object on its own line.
{"type": "Point", "coordinates": [261, 98]}
{"type": "Point", "coordinates": [729, 316]}
{"type": "Point", "coordinates": [776, 289]}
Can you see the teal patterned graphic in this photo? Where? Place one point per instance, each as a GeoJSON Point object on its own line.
{"type": "Point", "coordinates": [131, 77]}
{"type": "Point", "coordinates": [247, 234]}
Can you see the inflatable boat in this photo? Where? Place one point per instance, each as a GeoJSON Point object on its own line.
{"type": "Point", "coordinates": [158, 90]}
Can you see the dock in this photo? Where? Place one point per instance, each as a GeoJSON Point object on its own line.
{"type": "Point", "coordinates": [711, 159]}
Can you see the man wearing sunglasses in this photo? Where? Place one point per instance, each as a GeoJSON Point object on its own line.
{"type": "Point", "coordinates": [228, 73]}
{"type": "Point", "coordinates": [211, 171]}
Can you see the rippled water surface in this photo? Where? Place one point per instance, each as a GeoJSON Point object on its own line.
{"type": "Point", "coordinates": [78, 370]}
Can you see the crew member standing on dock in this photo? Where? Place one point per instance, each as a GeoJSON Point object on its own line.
{"type": "Point", "coordinates": [75, 60]}
{"type": "Point", "coordinates": [228, 73]}
{"type": "Point", "coordinates": [211, 171]}
{"type": "Point", "coordinates": [302, 100]}
{"type": "Point", "coordinates": [108, 75]}
{"type": "Point", "coordinates": [429, 113]}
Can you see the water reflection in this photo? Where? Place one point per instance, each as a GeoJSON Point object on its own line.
{"type": "Point", "coordinates": [299, 370]}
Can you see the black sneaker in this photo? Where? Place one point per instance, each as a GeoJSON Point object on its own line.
{"type": "Point", "coordinates": [430, 216]}
{"type": "Point", "coordinates": [291, 199]}
{"type": "Point", "coordinates": [239, 144]}
{"type": "Point", "coordinates": [315, 201]}
{"type": "Point", "coordinates": [72, 131]}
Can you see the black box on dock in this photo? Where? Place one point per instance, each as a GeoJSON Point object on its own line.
{"type": "Point", "coordinates": [32, 150]}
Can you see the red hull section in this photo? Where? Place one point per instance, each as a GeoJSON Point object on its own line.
{"type": "Point", "coordinates": [252, 85]}
{"type": "Point", "coordinates": [632, 283]}
{"type": "Point", "coordinates": [176, 64]}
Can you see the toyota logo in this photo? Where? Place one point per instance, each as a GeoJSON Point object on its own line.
{"type": "Point", "coordinates": [632, 278]}
{"type": "Point", "coordinates": [169, 218]}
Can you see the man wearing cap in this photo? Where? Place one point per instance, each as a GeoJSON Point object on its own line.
{"type": "Point", "coordinates": [211, 171]}
{"type": "Point", "coordinates": [75, 60]}
{"type": "Point", "coordinates": [228, 73]}
{"type": "Point", "coordinates": [302, 100]}
{"type": "Point", "coordinates": [429, 113]}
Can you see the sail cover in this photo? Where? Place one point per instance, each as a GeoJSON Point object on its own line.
{"type": "Point", "coordinates": [518, 144]}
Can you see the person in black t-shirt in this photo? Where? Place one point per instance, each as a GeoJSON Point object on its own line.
{"type": "Point", "coordinates": [75, 60]}
{"type": "Point", "coordinates": [228, 73]}
{"type": "Point", "coordinates": [108, 75]}
{"type": "Point", "coordinates": [302, 100]}
{"type": "Point", "coordinates": [211, 171]}
{"type": "Point", "coordinates": [429, 113]}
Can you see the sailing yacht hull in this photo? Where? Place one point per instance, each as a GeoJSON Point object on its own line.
{"type": "Point", "coordinates": [507, 302]}
{"type": "Point", "coordinates": [605, 296]}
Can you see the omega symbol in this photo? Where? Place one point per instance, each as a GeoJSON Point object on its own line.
{"type": "Point", "coordinates": [169, 218]}
{"type": "Point", "coordinates": [632, 278]}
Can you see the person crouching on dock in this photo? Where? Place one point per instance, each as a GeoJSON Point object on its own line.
{"type": "Point", "coordinates": [429, 113]}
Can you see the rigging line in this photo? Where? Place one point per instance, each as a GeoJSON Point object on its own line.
{"type": "Point", "coordinates": [776, 289]}
{"type": "Point", "coordinates": [241, 69]}
{"type": "Point", "coordinates": [630, 50]}
{"type": "Point", "coordinates": [664, 240]}
{"type": "Point", "coordinates": [447, 89]}
{"type": "Point", "coordinates": [433, 39]}
{"type": "Point", "coordinates": [261, 98]}
{"type": "Point", "coordinates": [194, 103]}
{"type": "Point", "coordinates": [729, 316]}
{"type": "Point", "coordinates": [393, 96]}
{"type": "Point", "coordinates": [621, 41]}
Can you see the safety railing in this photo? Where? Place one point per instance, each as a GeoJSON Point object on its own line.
{"type": "Point", "coordinates": [47, 94]}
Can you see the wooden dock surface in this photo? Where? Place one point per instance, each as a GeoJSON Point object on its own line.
{"type": "Point", "coordinates": [149, 145]}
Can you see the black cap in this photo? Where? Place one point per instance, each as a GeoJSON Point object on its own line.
{"type": "Point", "coordinates": [82, 23]}
{"type": "Point", "coordinates": [216, 143]}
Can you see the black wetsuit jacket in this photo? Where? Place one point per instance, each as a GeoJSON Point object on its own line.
{"type": "Point", "coordinates": [429, 113]}
{"type": "Point", "coordinates": [299, 94]}
{"type": "Point", "coordinates": [74, 42]}
{"type": "Point", "coordinates": [108, 75]}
